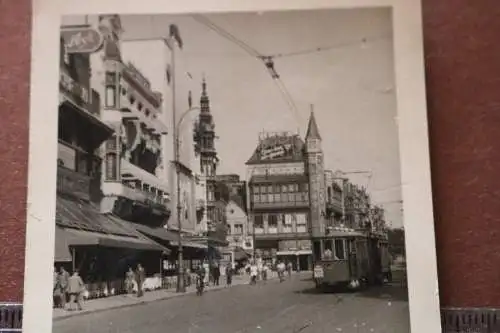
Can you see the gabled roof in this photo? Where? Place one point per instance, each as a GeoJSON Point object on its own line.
{"type": "Point", "coordinates": [292, 147]}
{"type": "Point", "coordinates": [312, 128]}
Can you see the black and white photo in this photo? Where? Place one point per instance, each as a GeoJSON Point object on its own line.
{"type": "Point", "coordinates": [236, 171]}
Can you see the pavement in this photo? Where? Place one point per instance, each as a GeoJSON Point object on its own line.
{"type": "Point", "coordinates": [269, 307]}
{"type": "Point", "coordinates": [122, 301]}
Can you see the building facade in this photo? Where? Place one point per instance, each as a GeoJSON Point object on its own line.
{"type": "Point", "coordinates": [293, 199]}
{"type": "Point", "coordinates": [278, 199]}
{"type": "Point", "coordinates": [101, 246]}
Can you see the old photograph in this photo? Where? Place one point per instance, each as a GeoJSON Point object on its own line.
{"type": "Point", "coordinates": [229, 173]}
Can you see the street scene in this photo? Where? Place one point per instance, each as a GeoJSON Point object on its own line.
{"type": "Point", "coordinates": [232, 172]}
{"type": "Point", "coordinates": [291, 306]}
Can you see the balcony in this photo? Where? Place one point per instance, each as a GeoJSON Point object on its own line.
{"type": "Point", "coordinates": [73, 183]}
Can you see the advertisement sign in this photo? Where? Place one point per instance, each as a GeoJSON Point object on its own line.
{"type": "Point", "coordinates": [81, 39]}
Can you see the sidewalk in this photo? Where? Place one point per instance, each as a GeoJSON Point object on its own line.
{"type": "Point", "coordinates": [122, 301]}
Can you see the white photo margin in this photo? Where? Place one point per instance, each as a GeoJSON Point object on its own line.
{"type": "Point", "coordinates": [412, 121]}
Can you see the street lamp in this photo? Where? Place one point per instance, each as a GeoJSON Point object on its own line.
{"type": "Point", "coordinates": [181, 287]}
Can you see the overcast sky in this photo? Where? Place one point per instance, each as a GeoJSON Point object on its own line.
{"type": "Point", "coordinates": [351, 86]}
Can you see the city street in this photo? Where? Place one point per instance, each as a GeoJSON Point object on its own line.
{"type": "Point", "coordinates": [289, 307]}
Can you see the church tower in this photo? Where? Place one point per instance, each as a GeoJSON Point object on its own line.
{"type": "Point", "coordinates": [205, 148]}
{"type": "Point", "coordinates": [316, 175]}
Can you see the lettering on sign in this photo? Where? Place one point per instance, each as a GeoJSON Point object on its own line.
{"type": "Point", "coordinates": [275, 151]}
{"type": "Point", "coordinates": [73, 88]}
{"type": "Point", "coordinates": [81, 40]}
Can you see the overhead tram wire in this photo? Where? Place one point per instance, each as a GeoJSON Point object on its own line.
{"type": "Point", "coordinates": [268, 62]}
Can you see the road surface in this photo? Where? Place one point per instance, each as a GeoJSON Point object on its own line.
{"type": "Point", "coordinates": [289, 307]}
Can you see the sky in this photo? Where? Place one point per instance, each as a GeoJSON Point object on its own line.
{"type": "Point", "coordinates": [351, 86]}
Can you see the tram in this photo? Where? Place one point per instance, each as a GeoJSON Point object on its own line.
{"type": "Point", "coordinates": [351, 258]}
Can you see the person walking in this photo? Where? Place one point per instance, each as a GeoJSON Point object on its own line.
{"type": "Point", "coordinates": [129, 281]}
{"type": "Point", "coordinates": [281, 270]}
{"type": "Point", "coordinates": [63, 285]}
{"type": "Point", "coordinates": [254, 271]}
{"type": "Point", "coordinates": [289, 268]}
{"type": "Point", "coordinates": [206, 276]}
{"type": "Point", "coordinates": [264, 272]}
{"type": "Point", "coordinates": [216, 275]}
{"type": "Point", "coordinates": [140, 277]}
{"type": "Point", "coordinates": [200, 280]}
{"type": "Point", "coordinates": [76, 287]}
{"type": "Point", "coordinates": [229, 275]}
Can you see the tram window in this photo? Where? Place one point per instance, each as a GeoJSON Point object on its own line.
{"type": "Point", "coordinates": [328, 245]}
{"type": "Point", "coordinates": [340, 249]}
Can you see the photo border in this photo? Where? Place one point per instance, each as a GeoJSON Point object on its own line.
{"type": "Point", "coordinates": [412, 128]}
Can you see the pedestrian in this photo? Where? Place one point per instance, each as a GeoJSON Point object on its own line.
{"type": "Point", "coordinates": [254, 271]}
{"type": "Point", "coordinates": [56, 290]}
{"type": "Point", "coordinates": [289, 267]}
{"type": "Point", "coordinates": [264, 272]}
{"type": "Point", "coordinates": [76, 287]}
{"type": "Point", "coordinates": [229, 275]}
{"type": "Point", "coordinates": [140, 277]}
{"type": "Point", "coordinates": [129, 281]}
{"type": "Point", "coordinates": [206, 276]}
{"type": "Point", "coordinates": [216, 274]}
{"type": "Point", "coordinates": [63, 285]}
{"type": "Point", "coordinates": [200, 280]}
{"type": "Point", "coordinates": [281, 270]}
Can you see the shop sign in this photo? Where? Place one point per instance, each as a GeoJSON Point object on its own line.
{"type": "Point", "coordinates": [73, 88]}
{"type": "Point", "coordinates": [81, 40]}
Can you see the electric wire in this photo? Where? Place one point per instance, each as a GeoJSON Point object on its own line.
{"type": "Point", "coordinates": [268, 62]}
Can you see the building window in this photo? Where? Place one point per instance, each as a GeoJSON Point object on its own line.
{"type": "Point", "coordinates": [110, 96]}
{"type": "Point", "coordinates": [272, 224]}
{"type": "Point", "coordinates": [238, 229]}
{"type": "Point", "coordinates": [256, 197]}
{"type": "Point", "coordinates": [277, 194]}
{"type": "Point", "coordinates": [258, 223]}
{"type": "Point", "coordinates": [111, 167]}
{"type": "Point", "coordinates": [340, 250]}
{"type": "Point", "coordinates": [256, 189]}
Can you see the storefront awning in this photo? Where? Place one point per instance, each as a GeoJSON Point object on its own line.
{"type": "Point", "coordinates": [79, 223]}
{"type": "Point", "coordinates": [240, 254]}
{"type": "Point", "coordinates": [72, 237]}
{"type": "Point", "coordinates": [159, 233]}
{"type": "Point", "coordinates": [190, 244]}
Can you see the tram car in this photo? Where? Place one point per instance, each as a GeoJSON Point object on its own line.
{"type": "Point", "coordinates": [351, 258]}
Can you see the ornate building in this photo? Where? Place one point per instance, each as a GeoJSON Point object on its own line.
{"type": "Point", "coordinates": [316, 176]}
{"type": "Point", "coordinates": [278, 199]}
{"type": "Point", "coordinates": [293, 199]}
{"type": "Point", "coordinates": [100, 246]}
{"type": "Point", "coordinates": [204, 147]}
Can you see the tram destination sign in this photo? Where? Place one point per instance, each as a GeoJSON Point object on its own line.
{"type": "Point", "coordinates": [82, 39]}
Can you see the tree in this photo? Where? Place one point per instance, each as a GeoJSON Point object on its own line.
{"type": "Point", "coordinates": [396, 238]}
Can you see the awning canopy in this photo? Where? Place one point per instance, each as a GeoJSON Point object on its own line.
{"type": "Point", "coordinates": [79, 223]}
{"type": "Point", "coordinates": [240, 254]}
{"type": "Point", "coordinates": [190, 244]}
{"type": "Point", "coordinates": [159, 233]}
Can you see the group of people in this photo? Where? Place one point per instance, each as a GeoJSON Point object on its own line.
{"type": "Point", "coordinates": [135, 278]}
{"type": "Point", "coordinates": [262, 271]}
{"type": "Point", "coordinates": [206, 274]}
{"type": "Point", "coordinates": [68, 288]}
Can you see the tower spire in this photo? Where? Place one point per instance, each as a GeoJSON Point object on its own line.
{"type": "Point", "coordinates": [204, 86]}
{"type": "Point", "coordinates": [312, 127]}
{"type": "Point", "coordinates": [204, 100]}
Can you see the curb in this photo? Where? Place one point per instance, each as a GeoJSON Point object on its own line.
{"type": "Point", "coordinates": [89, 312]}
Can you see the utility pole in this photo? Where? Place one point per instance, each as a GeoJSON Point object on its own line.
{"type": "Point", "coordinates": [180, 266]}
